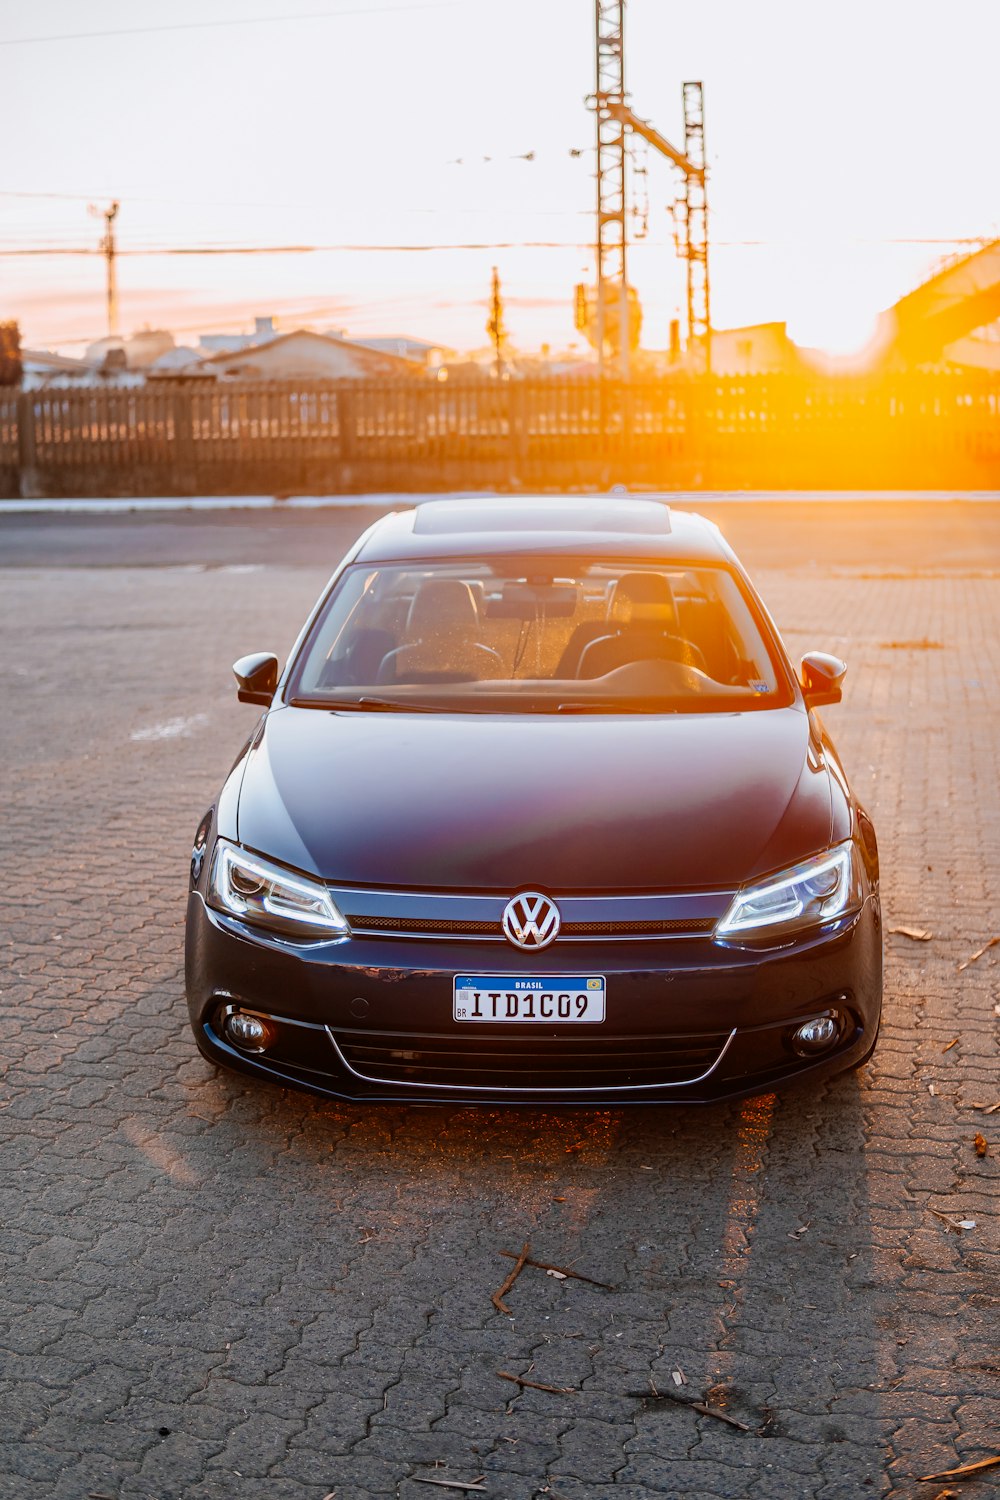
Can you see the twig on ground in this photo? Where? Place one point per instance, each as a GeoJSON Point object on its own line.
{"type": "Point", "coordinates": [964, 1469]}
{"type": "Point", "coordinates": [699, 1406]}
{"type": "Point", "coordinates": [955, 1225]}
{"type": "Point", "coordinates": [978, 953]}
{"type": "Point", "coordinates": [535, 1385]}
{"type": "Point", "coordinates": [543, 1265]}
{"type": "Point", "coordinates": [451, 1484]}
{"type": "Point", "coordinates": [521, 1262]}
{"type": "Point", "coordinates": [720, 1416]}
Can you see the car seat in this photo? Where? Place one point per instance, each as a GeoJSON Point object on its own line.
{"type": "Point", "coordinates": [442, 646]}
{"type": "Point", "coordinates": [644, 624]}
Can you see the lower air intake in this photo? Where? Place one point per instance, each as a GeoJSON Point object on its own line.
{"type": "Point", "coordinates": [562, 1064]}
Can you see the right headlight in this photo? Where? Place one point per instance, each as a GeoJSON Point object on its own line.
{"type": "Point", "coordinates": [817, 890]}
{"type": "Point", "coordinates": [251, 887]}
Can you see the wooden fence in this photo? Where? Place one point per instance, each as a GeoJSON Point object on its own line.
{"type": "Point", "coordinates": [186, 438]}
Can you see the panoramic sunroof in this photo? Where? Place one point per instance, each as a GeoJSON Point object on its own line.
{"type": "Point", "coordinates": [455, 517]}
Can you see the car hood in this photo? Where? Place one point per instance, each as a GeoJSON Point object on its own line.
{"type": "Point", "coordinates": [582, 803]}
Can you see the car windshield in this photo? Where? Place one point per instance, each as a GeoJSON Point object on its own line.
{"type": "Point", "coordinates": [531, 636]}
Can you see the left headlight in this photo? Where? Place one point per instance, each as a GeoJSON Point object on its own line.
{"type": "Point", "coordinates": [248, 886]}
{"type": "Point", "coordinates": [826, 886]}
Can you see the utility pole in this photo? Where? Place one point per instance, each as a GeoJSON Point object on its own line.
{"type": "Point", "coordinates": [108, 251]}
{"type": "Point", "coordinates": [494, 326]}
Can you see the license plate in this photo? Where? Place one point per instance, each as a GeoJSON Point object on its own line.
{"type": "Point", "coordinates": [548, 998]}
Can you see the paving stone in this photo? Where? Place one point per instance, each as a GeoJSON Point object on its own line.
{"type": "Point", "coordinates": [298, 1290]}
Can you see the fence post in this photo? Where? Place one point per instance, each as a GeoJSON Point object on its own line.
{"type": "Point", "coordinates": [517, 424]}
{"type": "Point", "coordinates": [347, 430]}
{"type": "Point", "coordinates": [185, 468]}
{"type": "Point", "coordinates": [29, 487]}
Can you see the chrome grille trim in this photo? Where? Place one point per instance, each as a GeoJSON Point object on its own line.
{"type": "Point", "coordinates": [585, 919]}
{"type": "Point", "coordinates": [514, 1088]}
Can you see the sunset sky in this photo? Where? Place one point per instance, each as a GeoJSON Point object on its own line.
{"type": "Point", "coordinates": [851, 148]}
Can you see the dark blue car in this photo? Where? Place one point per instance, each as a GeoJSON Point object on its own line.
{"type": "Point", "coordinates": [537, 811]}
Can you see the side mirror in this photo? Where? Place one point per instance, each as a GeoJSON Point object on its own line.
{"type": "Point", "coordinates": [822, 678]}
{"type": "Point", "coordinates": [256, 677]}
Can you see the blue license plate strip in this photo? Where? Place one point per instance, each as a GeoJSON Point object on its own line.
{"type": "Point", "coordinates": [560, 999]}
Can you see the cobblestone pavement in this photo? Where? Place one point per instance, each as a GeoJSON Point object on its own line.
{"type": "Point", "coordinates": [213, 1288]}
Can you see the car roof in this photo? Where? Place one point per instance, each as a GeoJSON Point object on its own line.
{"type": "Point", "coordinates": [574, 525]}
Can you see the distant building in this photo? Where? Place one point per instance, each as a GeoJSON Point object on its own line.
{"type": "Point", "coordinates": [140, 351]}
{"type": "Point", "coordinates": [302, 355]}
{"type": "Point", "coordinates": [418, 351]}
{"type": "Point", "coordinates": [760, 349]}
{"type": "Point", "coordinates": [181, 358]}
{"type": "Point", "coordinates": [42, 369]}
{"type": "Point", "coordinates": [220, 343]}
{"type": "Point", "coordinates": [949, 316]}
{"type": "Point", "coordinates": [980, 350]}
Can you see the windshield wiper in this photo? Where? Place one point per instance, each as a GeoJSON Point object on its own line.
{"type": "Point", "coordinates": [376, 705]}
{"type": "Point", "coordinates": [598, 706]}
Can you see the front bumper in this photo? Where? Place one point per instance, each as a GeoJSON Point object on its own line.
{"type": "Point", "coordinates": [687, 1021]}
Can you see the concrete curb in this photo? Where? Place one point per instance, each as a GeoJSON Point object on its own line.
{"type": "Point", "coordinates": [396, 501]}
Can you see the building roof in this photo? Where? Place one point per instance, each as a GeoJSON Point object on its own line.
{"type": "Point", "coordinates": [44, 360]}
{"type": "Point", "coordinates": [302, 354]}
{"type": "Point", "coordinates": [404, 347]}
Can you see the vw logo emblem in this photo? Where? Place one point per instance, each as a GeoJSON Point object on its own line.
{"type": "Point", "coordinates": [531, 920]}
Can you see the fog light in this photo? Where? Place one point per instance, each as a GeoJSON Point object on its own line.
{"type": "Point", "coordinates": [816, 1036]}
{"type": "Point", "coordinates": [249, 1032]}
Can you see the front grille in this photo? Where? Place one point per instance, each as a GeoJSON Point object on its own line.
{"type": "Point", "coordinates": [627, 929]}
{"type": "Point", "coordinates": [422, 926]}
{"type": "Point", "coordinates": [529, 1063]}
{"type": "Point", "coordinates": [435, 927]}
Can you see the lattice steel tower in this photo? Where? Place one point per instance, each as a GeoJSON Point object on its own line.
{"type": "Point", "coordinates": [693, 207]}
{"type": "Point", "coordinates": [609, 99]}
{"type": "Point", "coordinates": [614, 118]}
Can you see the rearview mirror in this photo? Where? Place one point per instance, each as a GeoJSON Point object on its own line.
{"type": "Point", "coordinates": [256, 677]}
{"type": "Point", "coordinates": [529, 601]}
{"type": "Point", "coordinates": [822, 678]}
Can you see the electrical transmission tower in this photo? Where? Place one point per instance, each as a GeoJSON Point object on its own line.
{"type": "Point", "coordinates": [693, 204]}
{"type": "Point", "coordinates": [609, 101]}
{"type": "Point", "coordinates": [614, 118]}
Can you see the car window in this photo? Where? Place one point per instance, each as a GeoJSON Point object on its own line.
{"type": "Point", "coordinates": [525, 635]}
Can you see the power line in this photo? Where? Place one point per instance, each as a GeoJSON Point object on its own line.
{"type": "Point", "coordinates": [153, 251]}
{"type": "Point", "coordinates": [316, 15]}
{"type": "Point", "coordinates": [303, 249]}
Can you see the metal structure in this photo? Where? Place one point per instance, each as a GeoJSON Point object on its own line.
{"type": "Point", "coordinates": [693, 206]}
{"type": "Point", "coordinates": [495, 323]}
{"type": "Point", "coordinates": [614, 119]}
{"type": "Point", "coordinates": [612, 238]}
